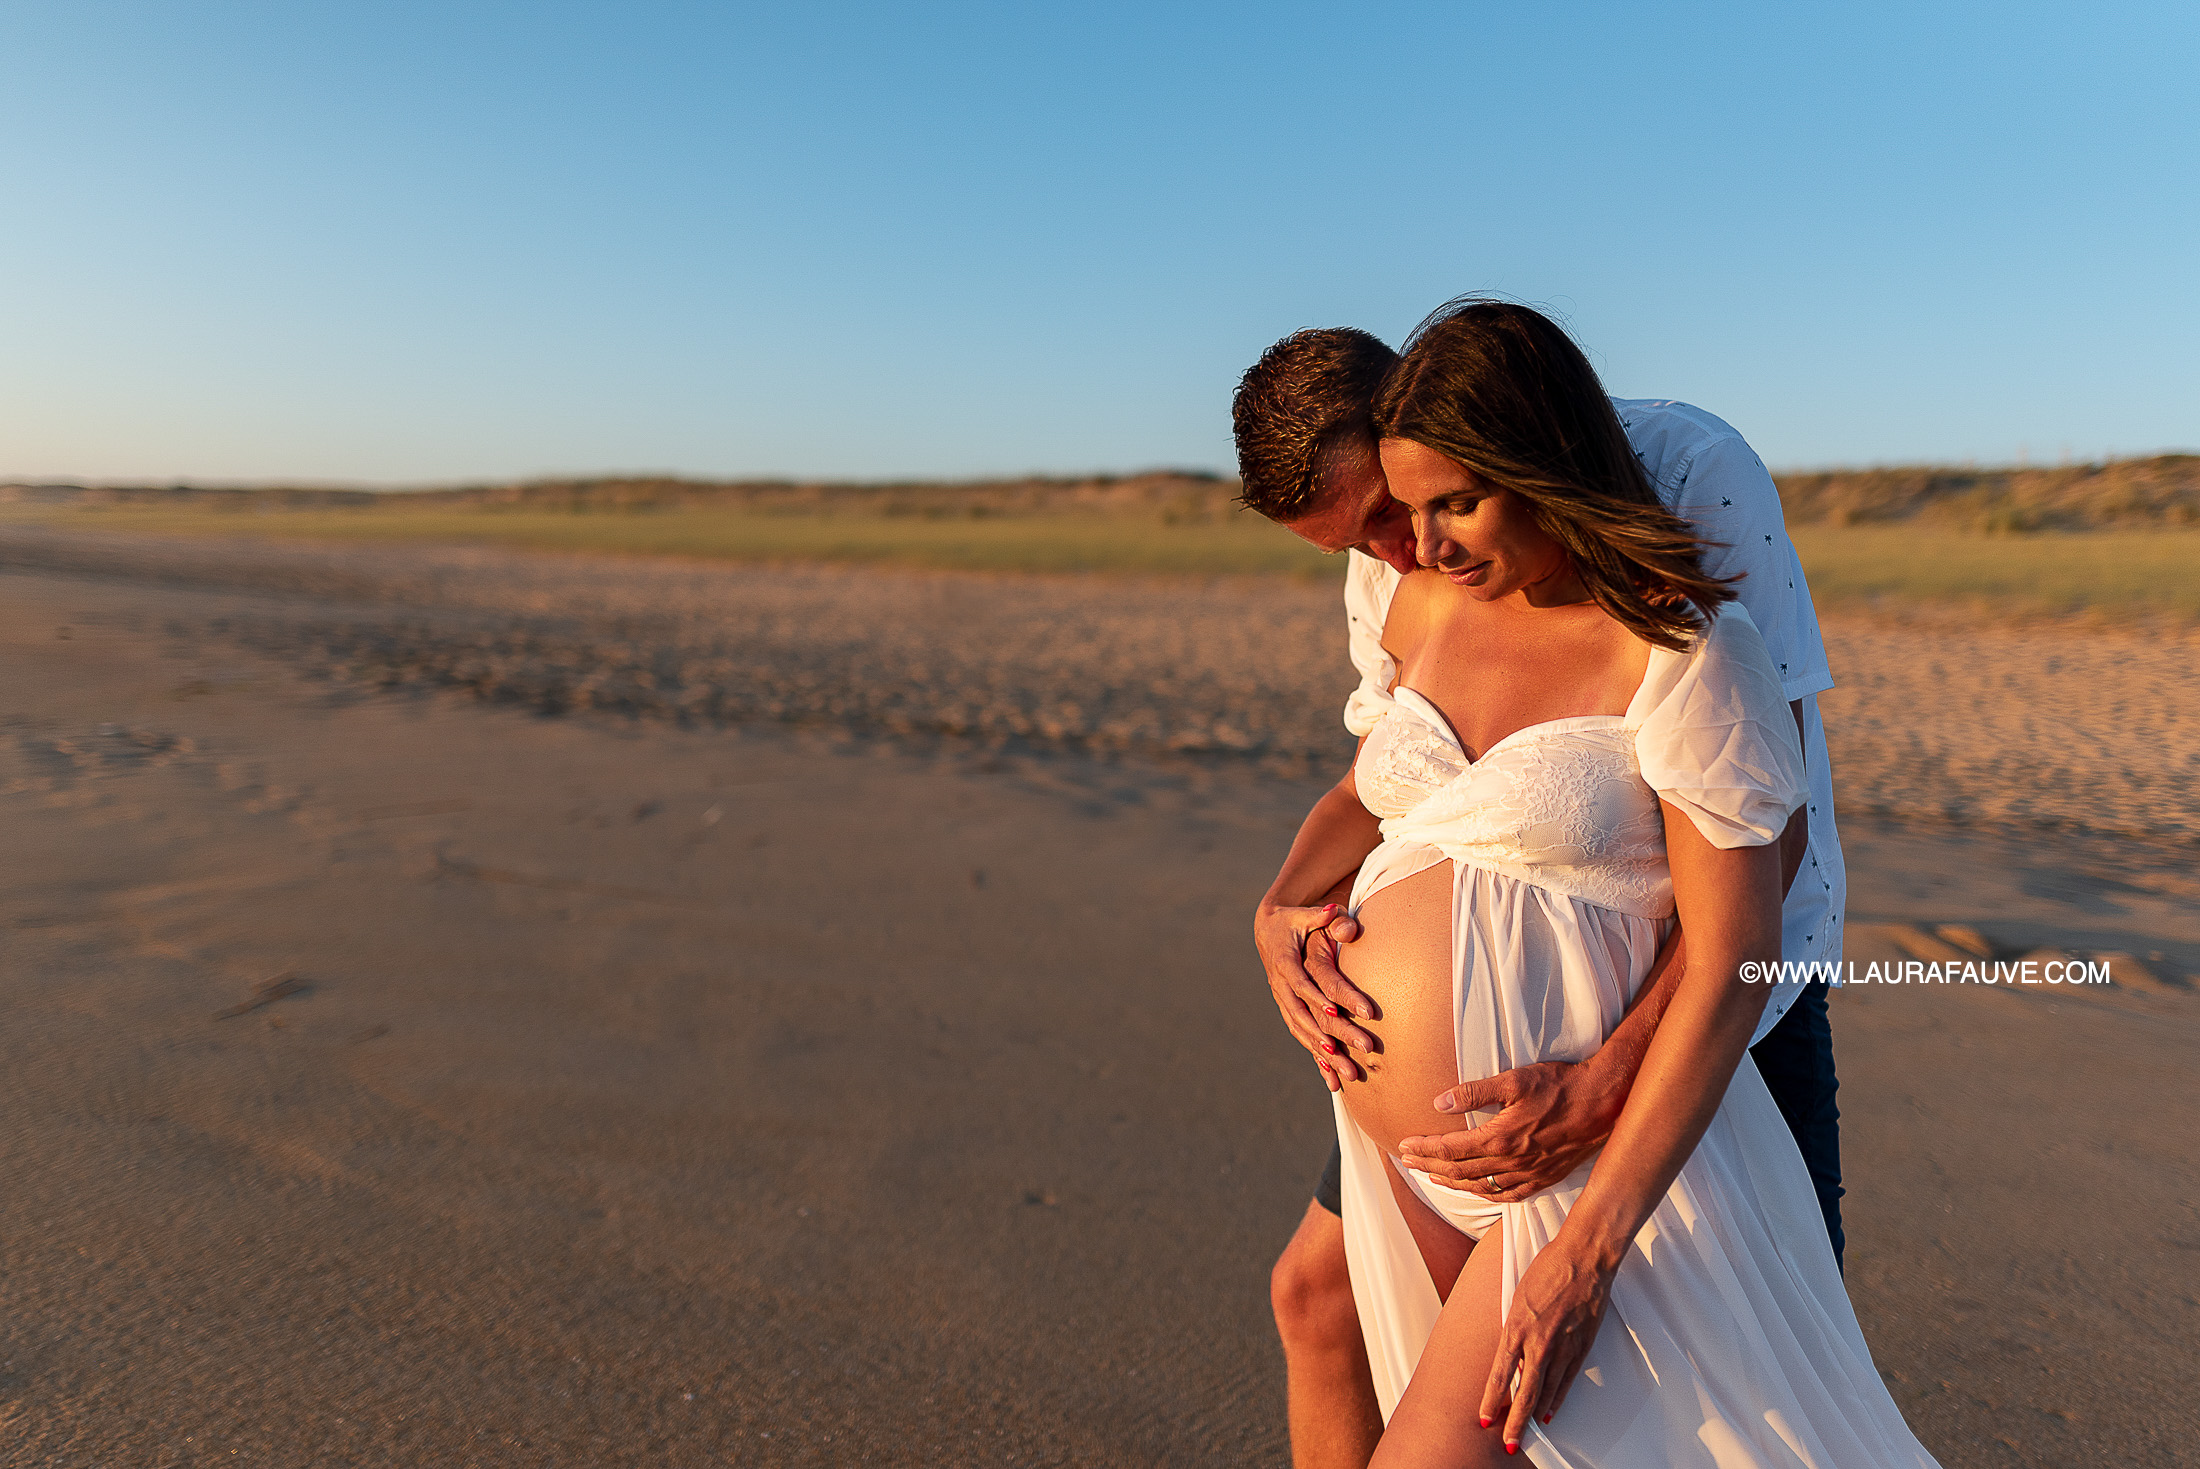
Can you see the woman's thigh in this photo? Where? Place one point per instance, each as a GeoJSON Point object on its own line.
{"type": "Point", "coordinates": [1444, 1249]}
{"type": "Point", "coordinates": [1438, 1421]}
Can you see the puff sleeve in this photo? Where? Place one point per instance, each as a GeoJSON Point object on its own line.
{"type": "Point", "coordinates": [1714, 735]}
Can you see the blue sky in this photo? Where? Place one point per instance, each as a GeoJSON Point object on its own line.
{"type": "Point", "coordinates": [427, 242]}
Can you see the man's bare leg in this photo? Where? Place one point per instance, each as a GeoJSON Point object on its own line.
{"type": "Point", "coordinates": [1334, 1418]}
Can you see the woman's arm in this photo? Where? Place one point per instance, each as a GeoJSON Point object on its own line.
{"type": "Point", "coordinates": [1729, 905]}
{"type": "Point", "coordinates": [1312, 993]}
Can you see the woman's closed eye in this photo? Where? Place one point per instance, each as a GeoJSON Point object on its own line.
{"type": "Point", "coordinates": [1443, 512]}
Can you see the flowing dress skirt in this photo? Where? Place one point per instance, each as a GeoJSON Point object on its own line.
{"type": "Point", "coordinates": [1729, 1340]}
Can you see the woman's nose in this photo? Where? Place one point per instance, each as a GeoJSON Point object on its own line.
{"type": "Point", "coordinates": [1429, 545]}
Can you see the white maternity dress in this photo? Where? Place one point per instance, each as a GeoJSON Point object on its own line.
{"type": "Point", "coordinates": [1729, 1340]}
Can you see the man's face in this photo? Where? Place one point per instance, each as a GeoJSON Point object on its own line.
{"type": "Point", "coordinates": [1353, 509]}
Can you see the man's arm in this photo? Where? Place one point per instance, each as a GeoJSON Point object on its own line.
{"type": "Point", "coordinates": [1553, 1115]}
{"type": "Point", "coordinates": [1795, 841]}
{"type": "Point", "coordinates": [1300, 921]}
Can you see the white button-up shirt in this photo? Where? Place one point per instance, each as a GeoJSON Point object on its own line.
{"type": "Point", "coordinates": [1710, 477]}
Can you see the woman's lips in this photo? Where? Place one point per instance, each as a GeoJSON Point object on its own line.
{"type": "Point", "coordinates": [1469, 576]}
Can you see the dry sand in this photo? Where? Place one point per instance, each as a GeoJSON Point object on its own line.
{"type": "Point", "coordinates": [689, 1080]}
{"type": "Point", "coordinates": [1949, 722]}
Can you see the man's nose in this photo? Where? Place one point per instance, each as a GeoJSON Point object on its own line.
{"type": "Point", "coordinates": [1396, 551]}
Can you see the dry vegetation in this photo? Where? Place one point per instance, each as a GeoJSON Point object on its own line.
{"type": "Point", "coordinates": [2118, 541]}
{"type": "Point", "coordinates": [2162, 492]}
{"type": "Point", "coordinates": [1167, 523]}
{"type": "Point", "coordinates": [1172, 497]}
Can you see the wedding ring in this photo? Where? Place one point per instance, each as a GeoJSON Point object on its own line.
{"type": "Point", "coordinates": [1490, 1183]}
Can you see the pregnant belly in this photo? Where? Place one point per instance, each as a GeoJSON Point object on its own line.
{"type": "Point", "coordinates": [1402, 961]}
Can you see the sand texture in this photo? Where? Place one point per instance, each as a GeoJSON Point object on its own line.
{"type": "Point", "coordinates": [395, 1075]}
{"type": "Point", "coordinates": [1053, 663]}
{"type": "Point", "coordinates": [2017, 728]}
{"type": "Point", "coordinates": [2014, 729]}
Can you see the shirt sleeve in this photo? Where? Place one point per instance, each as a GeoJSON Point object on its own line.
{"type": "Point", "coordinates": [1368, 584]}
{"type": "Point", "coordinates": [1715, 737]}
{"type": "Point", "coordinates": [1724, 491]}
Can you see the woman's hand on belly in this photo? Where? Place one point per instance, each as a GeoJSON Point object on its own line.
{"type": "Point", "coordinates": [1402, 960]}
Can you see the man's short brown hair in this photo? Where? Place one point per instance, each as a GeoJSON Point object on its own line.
{"type": "Point", "coordinates": [1310, 392]}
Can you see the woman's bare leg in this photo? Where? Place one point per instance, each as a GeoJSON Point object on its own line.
{"type": "Point", "coordinates": [1444, 1249]}
{"type": "Point", "coordinates": [1438, 1421]}
{"type": "Point", "coordinates": [1335, 1421]}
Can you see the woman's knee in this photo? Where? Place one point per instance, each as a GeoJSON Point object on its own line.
{"type": "Point", "coordinates": [1310, 1288]}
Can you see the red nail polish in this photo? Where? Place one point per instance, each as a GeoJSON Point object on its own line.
{"type": "Point", "coordinates": [1485, 1422]}
{"type": "Point", "coordinates": [1512, 1448]}
{"type": "Point", "coordinates": [1330, 1047]}
{"type": "Point", "coordinates": [1331, 1011]}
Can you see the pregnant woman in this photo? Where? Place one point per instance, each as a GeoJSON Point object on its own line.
{"type": "Point", "coordinates": [1584, 741]}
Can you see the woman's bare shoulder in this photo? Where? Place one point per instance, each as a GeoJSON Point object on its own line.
{"type": "Point", "coordinates": [1407, 625]}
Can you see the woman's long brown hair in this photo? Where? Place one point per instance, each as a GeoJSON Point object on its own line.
{"type": "Point", "coordinates": [1501, 390]}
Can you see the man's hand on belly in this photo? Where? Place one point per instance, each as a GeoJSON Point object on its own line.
{"type": "Point", "coordinates": [1554, 1115]}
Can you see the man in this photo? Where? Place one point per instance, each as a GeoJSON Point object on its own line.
{"type": "Point", "coordinates": [1307, 456]}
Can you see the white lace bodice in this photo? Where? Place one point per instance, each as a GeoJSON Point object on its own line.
{"type": "Point", "coordinates": [1572, 804]}
{"type": "Point", "coordinates": [1560, 804]}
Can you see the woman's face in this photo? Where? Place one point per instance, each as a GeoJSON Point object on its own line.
{"type": "Point", "coordinates": [1481, 537]}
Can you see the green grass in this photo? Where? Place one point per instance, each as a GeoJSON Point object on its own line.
{"type": "Point", "coordinates": [2107, 573]}
{"type": "Point", "coordinates": [1242, 543]}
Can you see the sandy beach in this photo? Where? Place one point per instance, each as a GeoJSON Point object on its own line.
{"type": "Point", "coordinates": [467, 1007]}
